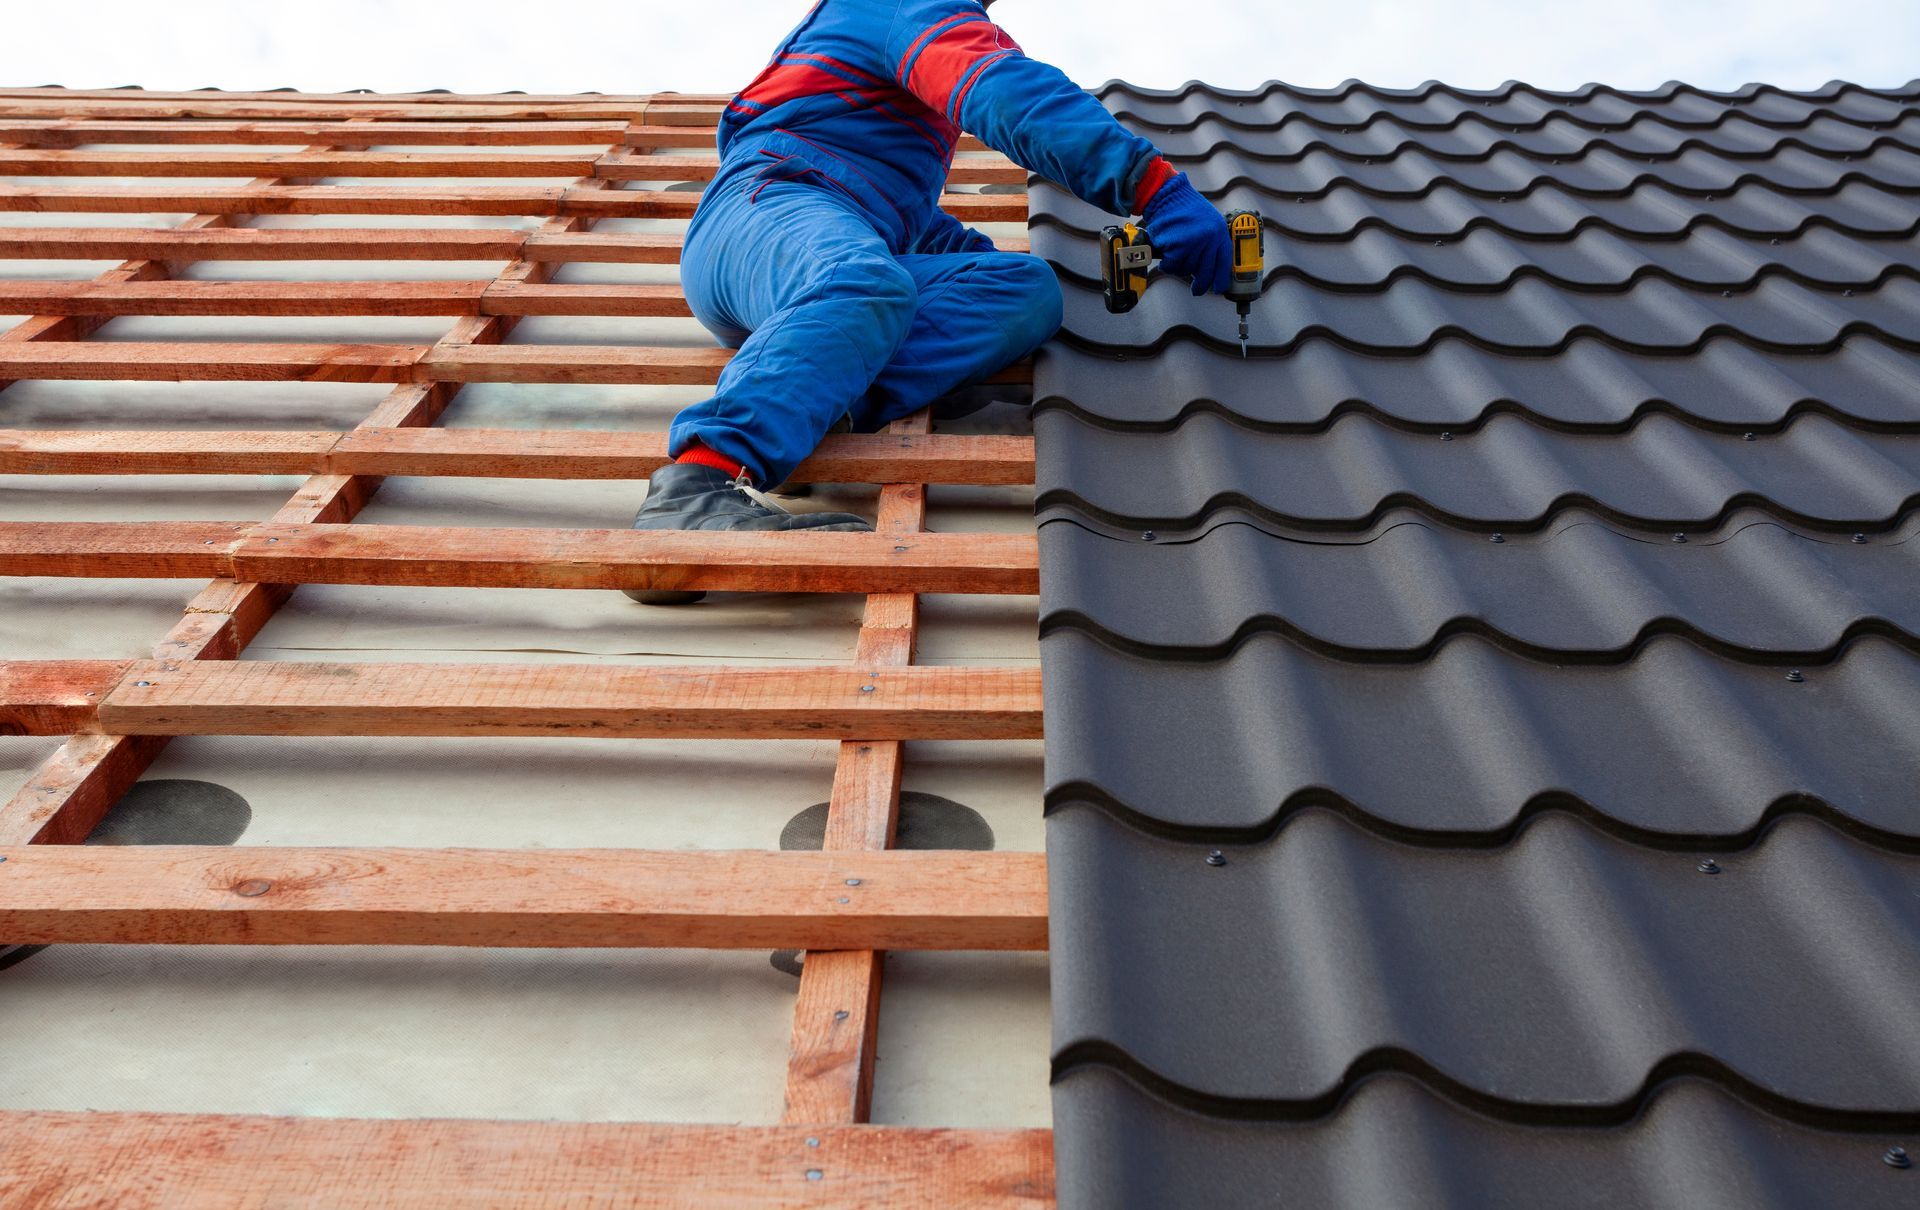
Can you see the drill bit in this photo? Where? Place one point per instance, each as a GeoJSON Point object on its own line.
{"type": "Point", "coordinates": [1243, 336]}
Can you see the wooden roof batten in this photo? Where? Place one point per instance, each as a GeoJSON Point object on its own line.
{"type": "Point", "coordinates": [117, 715]}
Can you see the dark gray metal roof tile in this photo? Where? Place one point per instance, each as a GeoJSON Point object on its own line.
{"type": "Point", "coordinates": [1396, 1142]}
{"type": "Point", "coordinates": [1440, 106]}
{"type": "Point", "coordinates": [1577, 867]}
{"type": "Point", "coordinates": [1674, 746]}
{"type": "Point", "coordinates": [1558, 137]}
{"type": "Point", "coordinates": [1455, 384]}
{"type": "Point", "coordinates": [1578, 588]}
{"type": "Point", "coordinates": [1546, 980]}
{"type": "Point", "coordinates": [1592, 259]}
{"type": "Point", "coordinates": [1661, 474]}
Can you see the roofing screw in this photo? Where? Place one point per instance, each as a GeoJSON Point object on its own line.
{"type": "Point", "coordinates": [1216, 858]}
{"type": "Point", "coordinates": [2, 858]}
{"type": "Point", "coordinates": [1747, 437]}
{"type": "Point", "coordinates": [814, 1174]}
{"type": "Point", "coordinates": [843, 899]}
{"type": "Point", "coordinates": [841, 1014]}
{"type": "Point", "coordinates": [1846, 294]}
{"type": "Point", "coordinates": [1896, 1157]}
{"type": "Point", "coordinates": [1146, 535]}
{"type": "Point", "coordinates": [1498, 538]}
{"type": "Point", "coordinates": [1726, 294]}
{"type": "Point", "coordinates": [813, 1142]}
{"type": "Point", "coordinates": [1859, 539]}
{"type": "Point", "coordinates": [866, 688]}
{"type": "Point", "coordinates": [143, 684]}
{"type": "Point", "coordinates": [1709, 866]}
{"type": "Point", "coordinates": [1439, 243]}
{"type": "Point", "coordinates": [252, 887]}
{"type": "Point", "coordinates": [853, 882]}
{"type": "Point", "coordinates": [1773, 243]}
{"type": "Point", "coordinates": [1679, 539]}
{"type": "Point", "coordinates": [1446, 436]}
{"type": "Point", "coordinates": [1794, 675]}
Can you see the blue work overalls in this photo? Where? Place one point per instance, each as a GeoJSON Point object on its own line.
{"type": "Point", "coordinates": [820, 250]}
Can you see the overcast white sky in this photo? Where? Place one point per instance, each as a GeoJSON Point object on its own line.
{"type": "Point", "coordinates": [567, 46]}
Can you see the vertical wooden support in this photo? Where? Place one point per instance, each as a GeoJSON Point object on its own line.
{"type": "Point", "coordinates": [75, 787]}
{"type": "Point", "coordinates": [836, 1017]}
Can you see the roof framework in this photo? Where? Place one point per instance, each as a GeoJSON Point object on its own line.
{"type": "Point", "coordinates": [847, 905]}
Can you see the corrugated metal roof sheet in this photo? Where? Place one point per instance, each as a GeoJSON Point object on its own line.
{"type": "Point", "coordinates": [1481, 745]}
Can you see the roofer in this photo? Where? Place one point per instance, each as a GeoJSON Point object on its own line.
{"type": "Point", "coordinates": [821, 252]}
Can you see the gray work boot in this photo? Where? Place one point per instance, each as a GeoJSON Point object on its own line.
{"type": "Point", "coordinates": [689, 495]}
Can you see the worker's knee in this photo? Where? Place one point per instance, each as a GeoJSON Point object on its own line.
{"type": "Point", "coordinates": [1033, 301]}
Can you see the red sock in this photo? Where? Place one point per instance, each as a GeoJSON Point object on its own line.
{"type": "Point", "coordinates": [706, 457]}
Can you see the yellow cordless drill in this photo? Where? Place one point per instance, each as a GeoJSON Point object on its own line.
{"type": "Point", "coordinates": [1126, 253]}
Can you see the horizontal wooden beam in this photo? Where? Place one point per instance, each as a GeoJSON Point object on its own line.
{"type": "Point", "coordinates": [296, 164]}
{"type": "Point", "coordinates": [533, 898]}
{"type": "Point", "coordinates": [624, 166]}
{"type": "Point", "coordinates": [67, 132]}
{"type": "Point", "coordinates": [121, 105]}
{"type": "Point", "coordinates": [466, 557]}
{"type": "Point", "coordinates": [240, 1163]}
{"type": "Point", "coordinates": [492, 454]}
{"type": "Point", "coordinates": [53, 697]}
{"type": "Point", "coordinates": [182, 361]}
{"type": "Point", "coordinates": [337, 298]}
{"type": "Point", "coordinates": [395, 199]}
{"type": "Point", "coordinates": [207, 697]}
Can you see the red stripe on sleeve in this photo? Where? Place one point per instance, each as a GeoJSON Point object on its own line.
{"type": "Point", "coordinates": [948, 59]}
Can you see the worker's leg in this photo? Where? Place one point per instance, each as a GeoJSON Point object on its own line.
{"type": "Point", "coordinates": [978, 313]}
{"type": "Point", "coordinates": [795, 274]}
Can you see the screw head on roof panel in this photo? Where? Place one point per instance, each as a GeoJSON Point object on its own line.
{"type": "Point", "coordinates": [1859, 539]}
{"type": "Point", "coordinates": [814, 1174]}
{"type": "Point", "coordinates": [1446, 436]}
{"type": "Point", "coordinates": [1146, 535]}
{"type": "Point", "coordinates": [1498, 538]}
{"type": "Point", "coordinates": [853, 882]}
{"type": "Point", "coordinates": [1679, 539]}
{"type": "Point", "coordinates": [1896, 1157]}
{"type": "Point", "coordinates": [1709, 866]}
{"type": "Point", "coordinates": [1794, 675]}
{"type": "Point", "coordinates": [1846, 294]}
{"type": "Point", "coordinates": [1748, 437]}
{"type": "Point", "coordinates": [1216, 858]}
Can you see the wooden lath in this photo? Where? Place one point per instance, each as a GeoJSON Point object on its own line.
{"type": "Point", "coordinates": [538, 898]}
{"type": "Point", "coordinates": [568, 202]}
{"type": "Point", "coordinates": [889, 457]}
{"type": "Point", "coordinates": [845, 906]}
{"type": "Point", "coordinates": [443, 557]}
{"type": "Point", "coordinates": [160, 1161]}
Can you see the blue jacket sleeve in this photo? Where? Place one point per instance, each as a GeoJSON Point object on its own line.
{"type": "Point", "coordinates": [948, 54]}
{"type": "Point", "coordinates": [946, 233]}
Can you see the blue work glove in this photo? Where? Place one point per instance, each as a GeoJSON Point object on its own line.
{"type": "Point", "coordinates": [1190, 236]}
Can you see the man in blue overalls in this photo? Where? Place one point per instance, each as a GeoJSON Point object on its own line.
{"type": "Point", "coordinates": [821, 253]}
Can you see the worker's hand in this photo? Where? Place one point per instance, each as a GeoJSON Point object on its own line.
{"type": "Point", "coordinates": [1190, 236]}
